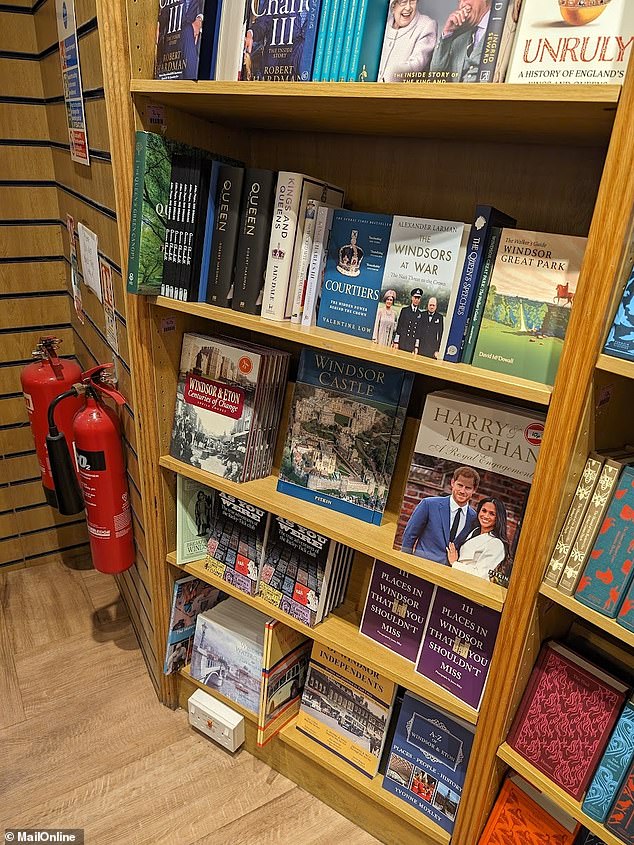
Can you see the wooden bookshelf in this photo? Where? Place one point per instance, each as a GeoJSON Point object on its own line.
{"type": "Point", "coordinates": [540, 114]}
{"type": "Point", "coordinates": [555, 793]}
{"type": "Point", "coordinates": [373, 540]}
{"type": "Point", "coordinates": [618, 366]}
{"type": "Point", "coordinates": [340, 631]}
{"type": "Point", "coordinates": [461, 374]}
{"type": "Point", "coordinates": [609, 626]}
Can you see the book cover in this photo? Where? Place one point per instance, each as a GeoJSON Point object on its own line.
{"type": "Point", "coordinates": [288, 194]}
{"type": "Point", "coordinates": [572, 42]}
{"type": "Point", "coordinates": [428, 760]}
{"type": "Point", "coordinates": [493, 44]}
{"type": "Point", "coordinates": [343, 432]}
{"type": "Point", "coordinates": [237, 533]}
{"type": "Point", "coordinates": [396, 609]}
{"type": "Point", "coordinates": [574, 518]}
{"type": "Point", "coordinates": [191, 596]}
{"type": "Point", "coordinates": [468, 484]}
{"type": "Point", "coordinates": [523, 816]}
{"type": "Point", "coordinates": [529, 303]}
{"type": "Point", "coordinates": [620, 342]}
{"type": "Point", "coordinates": [179, 37]}
{"type": "Point", "coordinates": [348, 38]}
{"type": "Point", "coordinates": [610, 566]}
{"type": "Point", "coordinates": [457, 646]}
{"type": "Point", "coordinates": [280, 40]}
{"type": "Point", "coordinates": [586, 837]}
{"type": "Point", "coordinates": [225, 236]}
{"type": "Point", "coordinates": [621, 818]}
{"type": "Point", "coordinates": [626, 612]}
{"type": "Point", "coordinates": [215, 400]}
{"type": "Point", "coordinates": [566, 716]}
{"type": "Point", "coordinates": [194, 519]}
{"type": "Point", "coordinates": [507, 39]}
{"type": "Point", "coordinates": [368, 41]}
{"type": "Point", "coordinates": [346, 708]}
{"type": "Point", "coordinates": [317, 264]}
{"type": "Point", "coordinates": [353, 277]}
{"type": "Point", "coordinates": [612, 769]}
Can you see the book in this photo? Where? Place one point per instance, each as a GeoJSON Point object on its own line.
{"type": "Point", "coordinates": [334, 16]}
{"type": "Point", "coordinates": [626, 612]}
{"type": "Point", "coordinates": [286, 656]}
{"type": "Point", "coordinates": [226, 225]}
{"type": "Point", "coordinates": [579, 43]}
{"type": "Point", "coordinates": [493, 43]}
{"type": "Point", "coordinates": [230, 48]}
{"type": "Point", "coordinates": [183, 44]}
{"type": "Point", "coordinates": [348, 38]}
{"type": "Point", "coordinates": [194, 519]}
{"type": "Point", "coordinates": [317, 264]}
{"type": "Point", "coordinates": [507, 39]}
{"type": "Point", "coordinates": [486, 217]}
{"type": "Point", "coordinates": [470, 455]}
{"type": "Point", "coordinates": [574, 518]}
{"type": "Point", "coordinates": [620, 341]}
{"type": "Point", "coordinates": [590, 526]}
{"type": "Point", "coordinates": [343, 433]}
{"type": "Point", "coordinates": [586, 837]}
{"type": "Point", "coordinates": [346, 708]}
{"type": "Point", "coordinates": [280, 41]}
{"type": "Point", "coordinates": [610, 566]}
{"type": "Point", "coordinates": [566, 716]}
{"type": "Point", "coordinates": [428, 760]}
{"type": "Point", "coordinates": [190, 597]}
{"type": "Point", "coordinates": [367, 41]}
{"type": "Point", "coordinates": [620, 822]}
{"type": "Point", "coordinates": [529, 303]}
{"type": "Point", "coordinates": [237, 534]}
{"type": "Point", "coordinates": [301, 279]}
{"type": "Point", "coordinates": [320, 43]}
{"type": "Point", "coordinates": [473, 328]}
{"type": "Point", "coordinates": [396, 609]}
{"type": "Point", "coordinates": [457, 645]}
{"type": "Point", "coordinates": [522, 815]}
{"type": "Point", "coordinates": [612, 769]}
{"type": "Point", "coordinates": [258, 194]}
{"type": "Point", "coordinates": [228, 652]}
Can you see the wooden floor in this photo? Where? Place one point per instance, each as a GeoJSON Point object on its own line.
{"type": "Point", "coordinates": [84, 742]}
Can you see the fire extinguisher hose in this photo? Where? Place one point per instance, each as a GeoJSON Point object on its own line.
{"type": "Point", "coordinates": [70, 500]}
{"type": "Point", "coordinates": [52, 428]}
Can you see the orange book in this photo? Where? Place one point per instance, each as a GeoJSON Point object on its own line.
{"type": "Point", "coordinates": [524, 816]}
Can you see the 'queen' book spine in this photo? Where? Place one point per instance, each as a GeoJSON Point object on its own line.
{"type": "Point", "coordinates": [258, 194]}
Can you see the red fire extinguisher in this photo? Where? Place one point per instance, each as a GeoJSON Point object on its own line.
{"type": "Point", "coordinates": [102, 477]}
{"type": "Point", "coordinates": [41, 382]}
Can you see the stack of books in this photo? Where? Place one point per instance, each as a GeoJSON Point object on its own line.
{"type": "Point", "coordinates": [190, 597]}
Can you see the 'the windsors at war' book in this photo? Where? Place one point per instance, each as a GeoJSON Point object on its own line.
{"type": "Point", "coordinates": [572, 41]}
{"type": "Point", "coordinates": [343, 433]}
{"type": "Point", "coordinates": [528, 306]}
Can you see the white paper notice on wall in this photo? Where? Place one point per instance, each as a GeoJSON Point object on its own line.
{"type": "Point", "coordinates": [107, 291]}
{"type": "Point", "coordinates": [89, 259]}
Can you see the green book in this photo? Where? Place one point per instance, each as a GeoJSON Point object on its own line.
{"type": "Point", "coordinates": [475, 320]}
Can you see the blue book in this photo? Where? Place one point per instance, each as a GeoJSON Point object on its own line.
{"type": "Point", "coordinates": [368, 42]}
{"type": "Point", "coordinates": [486, 218]}
{"type": "Point", "coordinates": [346, 47]}
{"type": "Point", "coordinates": [620, 342]}
{"type": "Point", "coordinates": [324, 21]}
{"type": "Point", "coordinates": [333, 21]}
{"type": "Point", "coordinates": [209, 231]}
{"type": "Point", "coordinates": [189, 598]}
{"type": "Point", "coordinates": [340, 31]}
{"type": "Point", "coordinates": [351, 287]}
{"type": "Point", "coordinates": [612, 769]}
{"type": "Point", "coordinates": [343, 433]}
{"type": "Point", "coordinates": [209, 45]}
{"type": "Point", "coordinates": [428, 760]}
{"type": "Point", "coordinates": [282, 42]}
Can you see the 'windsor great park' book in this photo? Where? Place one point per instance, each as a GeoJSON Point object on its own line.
{"type": "Point", "coordinates": [343, 433]}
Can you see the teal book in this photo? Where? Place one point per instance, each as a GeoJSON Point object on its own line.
{"type": "Point", "coordinates": [333, 22]}
{"type": "Point", "coordinates": [475, 322]}
{"type": "Point", "coordinates": [368, 43]}
{"type": "Point", "coordinates": [322, 32]}
{"type": "Point", "coordinates": [626, 611]}
{"type": "Point", "coordinates": [346, 47]}
{"type": "Point", "coordinates": [340, 31]}
{"type": "Point", "coordinates": [612, 769]}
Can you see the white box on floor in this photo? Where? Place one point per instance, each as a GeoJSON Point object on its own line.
{"type": "Point", "coordinates": [216, 720]}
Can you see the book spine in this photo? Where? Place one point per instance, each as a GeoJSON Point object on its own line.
{"type": "Point", "coordinates": [324, 21]}
{"type": "Point", "coordinates": [304, 260]}
{"type": "Point", "coordinates": [210, 33]}
{"type": "Point", "coordinates": [528, 695]}
{"type": "Point", "coordinates": [466, 356]}
{"type": "Point", "coordinates": [225, 240]}
{"type": "Point", "coordinates": [574, 518]}
{"type": "Point", "coordinates": [612, 769]}
{"type": "Point", "coordinates": [170, 248]}
{"type": "Point", "coordinates": [189, 228]}
{"type": "Point", "coordinates": [330, 39]}
{"type": "Point", "coordinates": [305, 65]}
{"type": "Point", "coordinates": [357, 38]}
{"type": "Point", "coordinates": [136, 214]}
{"type": "Point", "coordinates": [589, 528]}
{"type": "Point", "coordinates": [280, 252]}
{"type": "Point", "coordinates": [346, 47]}
{"type": "Point", "coordinates": [621, 818]}
{"type": "Point", "coordinates": [340, 32]}
{"type": "Point", "coordinates": [199, 231]}
{"type": "Point", "coordinates": [492, 37]}
{"type": "Point", "coordinates": [317, 264]}
{"type": "Point", "coordinates": [231, 40]}
{"type": "Point", "coordinates": [371, 43]}
{"type": "Point", "coordinates": [209, 231]}
{"type": "Point", "coordinates": [255, 230]}
{"type": "Point", "coordinates": [626, 612]}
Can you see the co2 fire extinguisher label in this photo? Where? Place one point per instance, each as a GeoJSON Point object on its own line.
{"type": "Point", "coordinates": [91, 461]}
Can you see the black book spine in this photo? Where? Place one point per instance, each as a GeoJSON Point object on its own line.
{"type": "Point", "coordinates": [200, 217]}
{"type": "Point", "coordinates": [258, 197]}
{"type": "Point", "coordinates": [174, 229]}
{"type": "Point", "coordinates": [225, 237]}
{"type": "Point", "coordinates": [189, 197]}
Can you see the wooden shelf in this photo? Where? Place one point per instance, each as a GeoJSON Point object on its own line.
{"type": "Point", "coordinates": [554, 792]}
{"type": "Point", "coordinates": [372, 787]}
{"type": "Point", "coordinates": [610, 626]}
{"type": "Point", "coordinates": [618, 366]}
{"type": "Point", "coordinates": [498, 383]}
{"type": "Point", "coordinates": [243, 711]}
{"type": "Point", "coordinates": [340, 631]}
{"type": "Point", "coordinates": [540, 114]}
{"type": "Point", "coordinates": [373, 540]}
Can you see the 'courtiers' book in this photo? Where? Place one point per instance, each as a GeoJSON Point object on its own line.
{"type": "Point", "coordinates": [194, 518]}
{"type": "Point", "coordinates": [572, 41]}
{"type": "Point", "coordinates": [346, 708]}
{"type": "Point", "coordinates": [428, 760]}
{"type": "Point", "coordinates": [620, 342]}
{"type": "Point", "coordinates": [566, 716]}
{"type": "Point", "coordinates": [468, 484]}
{"type": "Point", "coordinates": [621, 818]}
{"type": "Point", "coordinates": [191, 596]}
{"type": "Point", "coordinates": [343, 433]}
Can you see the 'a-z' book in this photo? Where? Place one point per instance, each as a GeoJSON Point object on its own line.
{"type": "Point", "coordinates": [346, 708]}
{"type": "Point", "coordinates": [343, 433]}
{"type": "Point", "coordinates": [468, 484]}
{"type": "Point", "coordinates": [191, 596]}
{"type": "Point", "coordinates": [428, 760]}
{"type": "Point", "coordinates": [528, 305]}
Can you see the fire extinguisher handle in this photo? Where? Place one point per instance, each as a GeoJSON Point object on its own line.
{"type": "Point", "coordinates": [93, 377]}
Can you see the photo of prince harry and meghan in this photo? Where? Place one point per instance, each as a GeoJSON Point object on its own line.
{"type": "Point", "coordinates": [462, 528]}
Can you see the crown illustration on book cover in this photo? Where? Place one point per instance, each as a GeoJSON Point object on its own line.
{"type": "Point", "coordinates": [278, 252]}
{"type": "Point", "coordinates": [581, 12]}
{"type": "Point", "coordinates": [350, 256]}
